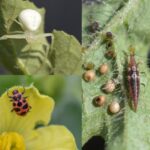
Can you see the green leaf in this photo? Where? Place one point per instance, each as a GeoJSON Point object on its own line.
{"type": "Point", "coordinates": [101, 13]}
{"type": "Point", "coordinates": [65, 54]}
{"type": "Point", "coordinates": [130, 26]}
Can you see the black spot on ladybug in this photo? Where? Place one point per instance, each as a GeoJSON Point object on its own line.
{"type": "Point", "coordinates": [19, 96]}
{"type": "Point", "coordinates": [17, 109]}
{"type": "Point", "coordinates": [19, 104]}
{"type": "Point", "coordinates": [24, 101]}
{"type": "Point", "coordinates": [25, 106]}
{"type": "Point", "coordinates": [15, 98]}
{"type": "Point", "coordinates": [14, 104]}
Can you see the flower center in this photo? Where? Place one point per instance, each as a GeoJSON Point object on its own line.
{"type": "Point", "coordinates": [11, 141]}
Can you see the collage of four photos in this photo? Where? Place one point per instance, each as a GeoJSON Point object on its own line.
{"type": "Point", "coordinates": [74, 75]}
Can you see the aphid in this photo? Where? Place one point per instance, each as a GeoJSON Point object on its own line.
{"type": "Point", "coordinates": [88, 66]}
{"type": "Point", "coordinates": [19, 103]}
{"type": "Point", "coordinates": [109, 35]}
{"type": "Point", "coordinates": [133, 79]}
{"type": "Point", "coordinates": [109, 44]}
{"type": "Point", "coordinates": [109, 86]}
{"type": "Point", "coordinates": [110, 54]}
{"type": "Point", "coordinates": [89, 75]}
{"type": "Point", "coordinates": [103, 69]}
{"type": "Point", "coordinates": [100, 100]}
{"type": "Point", "coordinates": [108, 38]}
{"type": "Point", "coordinates": [114, 107]}
{"type": "Point", "coordinates": [94, 27]}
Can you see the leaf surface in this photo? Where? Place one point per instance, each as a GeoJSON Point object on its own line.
{"type": "Point", "coordinates": [130, 26]}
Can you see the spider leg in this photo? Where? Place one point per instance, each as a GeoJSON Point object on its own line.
{"type": "Point", "coordinates": [16, 36]}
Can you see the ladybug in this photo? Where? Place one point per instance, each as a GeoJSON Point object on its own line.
{"type": "Point", "coordinates": [20, 105]}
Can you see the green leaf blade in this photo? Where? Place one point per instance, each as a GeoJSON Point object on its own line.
{"type": "Point", "coordinates": [127, 129]}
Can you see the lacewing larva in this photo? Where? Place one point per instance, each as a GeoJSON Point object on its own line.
{"type": "Point", "coordinates": [133, 79]}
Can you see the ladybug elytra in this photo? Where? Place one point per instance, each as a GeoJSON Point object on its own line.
{"type": "Point", "coordinates": [20, 105]}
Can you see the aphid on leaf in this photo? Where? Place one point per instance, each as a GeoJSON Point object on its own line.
{"type": "Point", "coordinates": [88, 66]}
{"type": "Point", "coordinates": [94, 26]}
{"type": "Point", "coordinates": [104, 68]}
{"type": "Point", "coordinates": [109, 35]}
{"type": "Point", "coordinates": [110, 86]}
{"type": "Point", "coordinates": [100, 100]}
{"type": "Point", "coordinates": [133, 79]}
{"type": "Point", "coordinates": [89, 75]}
{"type": "Point", "coordinates": [110, 54]}
{"type": "Point", "coordinates": [114, 107]}
{"type": "Point", "coordinates": [20, 105]}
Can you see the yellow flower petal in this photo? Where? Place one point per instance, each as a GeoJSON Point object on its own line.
{"type": "Point", "coordinates": [42, 107]}
{"type": "Point", "coordinates": [11, 141]}
{"type": "Point", "coordinates": [51, 138]}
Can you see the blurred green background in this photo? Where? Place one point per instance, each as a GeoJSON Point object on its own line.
{"type": "Point", "coordinates": [65, 90]}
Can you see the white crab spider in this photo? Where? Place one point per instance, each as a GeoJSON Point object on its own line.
{"type": "Point", "coordinates": [30, 20]}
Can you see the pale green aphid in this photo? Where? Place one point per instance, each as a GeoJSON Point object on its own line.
{"type": "Point", "coordinates": [30, 21]}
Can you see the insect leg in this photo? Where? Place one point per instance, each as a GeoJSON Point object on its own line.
{"type": "Point", "coordinates": [23, 90]}
{"type": "Point", "coordinates": [9, 95]}
{"type": "Point", "coordinates": [12, 110]}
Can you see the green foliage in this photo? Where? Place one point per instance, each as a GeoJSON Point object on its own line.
{"type": "Point", "coordinates": [129, 22]}
{"type": "Point", "coordinates": [69, 105]}
{"type": "Point", "coordinates": [37, 56]}
{"type": "Point", "coordinates": [48, 85]}
{"type": "Point", "coordinates": [66, 54]}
